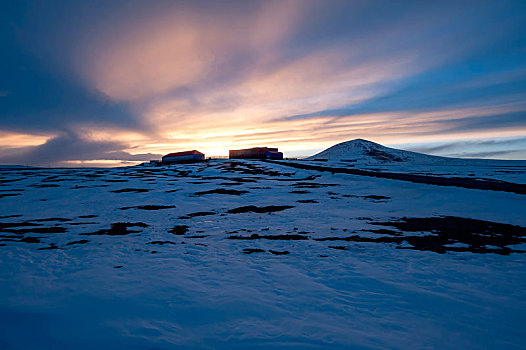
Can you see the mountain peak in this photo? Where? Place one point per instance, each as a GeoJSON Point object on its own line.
{"type": "Point", "coordinates": [365, 151]}
{"type": "Point", "coordinates": [360, 142]}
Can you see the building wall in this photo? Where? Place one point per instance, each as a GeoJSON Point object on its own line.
{"type": "Point", "coordinates": [274, 155]}
{"type": "Point", "coordinates": [185, 158]}
{"type": "Point", "coordinates": [256, 153]}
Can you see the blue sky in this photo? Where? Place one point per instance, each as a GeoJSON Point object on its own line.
{"type": "Point", "coordinates": [108, 83]}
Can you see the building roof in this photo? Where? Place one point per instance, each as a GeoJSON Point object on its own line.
{"type": "Point", "coordinates": [185, 153]}
{"type": "Point", "coordinates": [268, 149]}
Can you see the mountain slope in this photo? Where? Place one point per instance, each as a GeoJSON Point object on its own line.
{"type": "Point", "coordinates": [363, 151]}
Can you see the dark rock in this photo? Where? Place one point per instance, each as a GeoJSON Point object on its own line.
{"type": "Point", "coordinates": [338, 247]}
{"type": "Point", "coordinates": [51, 247]}
{"type": "Point", "coordinates": [221, 191]}
{"type": "Point", "coordinates": [30, 240]}
{"type": "Point", "coordinates": [254, 209]}
{"type": "Point", "coordinates": [199, 213]}
{"type": "Point", "coordinates": [132, 190]}
{"type": "Point", "coordinates": [285, 252]}
{"type": "Point", "coordinates": [179, 230]}
{"type": "Point", "coordinates": [149, 207]}
{"type": "Point", "coordinates": [270, 237]}
{"type": "Point", "coordinates": [252, 250]}
{"type": "Point", "coordinates": [118, 229]}
{"type": "Point", "coordinates": [161, 242]}
{"type": "Point", "coordinates": [82, 241]}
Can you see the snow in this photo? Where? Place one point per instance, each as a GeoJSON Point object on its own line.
{"type": "Point", "coordinates": [115, 292]}
{"type": "Point", "coordinates": [367, 155]}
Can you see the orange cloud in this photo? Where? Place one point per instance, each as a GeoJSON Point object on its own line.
{"type": "Point", "coordinates": [14, 140]}
{"type": "Point", "coordinates": [182, 46]}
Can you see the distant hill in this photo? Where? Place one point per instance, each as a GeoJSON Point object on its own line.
{"type": "Point", "coordinates": [366, 152]}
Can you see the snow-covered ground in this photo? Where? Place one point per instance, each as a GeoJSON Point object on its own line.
{"type": "Point", "coordinates": [247, 254]}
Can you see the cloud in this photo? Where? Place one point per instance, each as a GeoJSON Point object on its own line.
{"type": "Point", "coordinates": [503, 148]}
{"type": "Point", "coordinates": [39, 101]}
{"type": "Point", "coordinates": [41, 92]}
{"type": "Point", "coordinates": [70, 147]}
{"type": "Point", "coordinates": [164, 75]}
{"type": "Point", "coordinates": [183, 46]}
{"type": "Point", "coordinates": [509, 155]}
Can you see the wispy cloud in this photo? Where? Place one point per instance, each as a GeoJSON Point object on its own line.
{"type": "Point", "coordinates": [503, 148]}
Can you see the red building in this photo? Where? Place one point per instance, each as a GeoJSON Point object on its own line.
{"type": "Point", "coordinates": [180, 157]}
{"type": "Point", "coordinates": [256, 153]}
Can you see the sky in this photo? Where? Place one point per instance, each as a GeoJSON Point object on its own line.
{"type": "Point", "coordinates": [104, 83]}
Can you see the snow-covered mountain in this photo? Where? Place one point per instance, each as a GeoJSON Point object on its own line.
{"type": "Point", "coordinates": [364, 151]}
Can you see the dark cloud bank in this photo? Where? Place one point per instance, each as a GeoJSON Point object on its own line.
{"type": "Point", "coordinates": [71, 147]}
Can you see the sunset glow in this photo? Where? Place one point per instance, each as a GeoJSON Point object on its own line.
{"type": "Point", "coordinates": [142, 80]}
